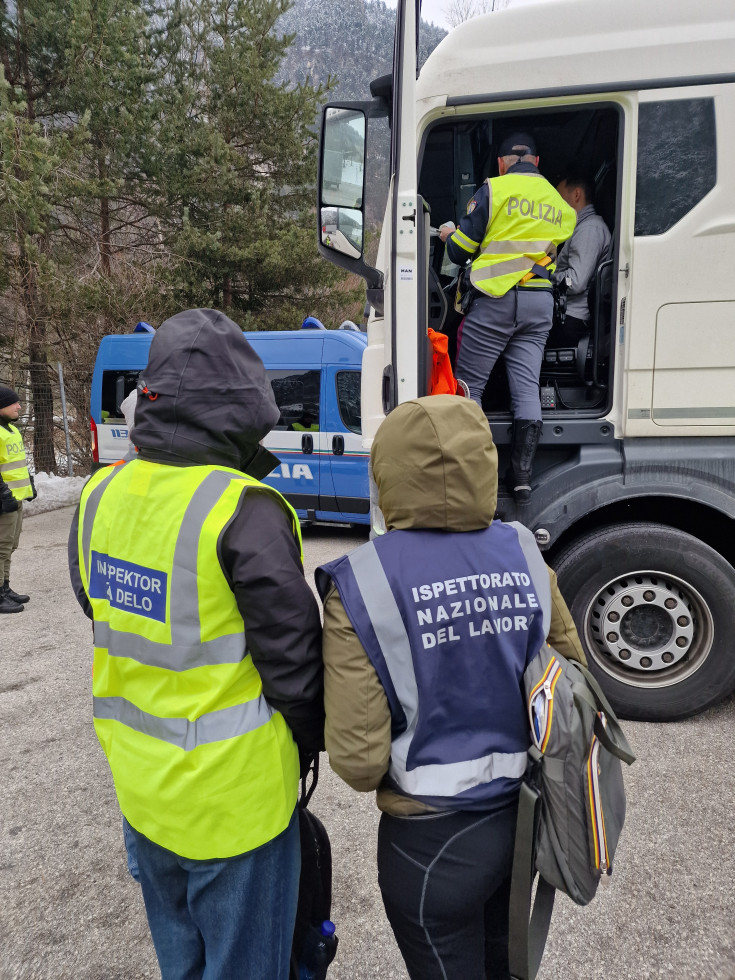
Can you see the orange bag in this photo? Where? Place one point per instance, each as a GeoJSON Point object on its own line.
{"type": "Point", "coordinates": [442, 377]}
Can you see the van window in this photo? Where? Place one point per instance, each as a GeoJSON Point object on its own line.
{"type": "Point", "coordinates": [677, 161]}
{"type": "Point", "coordinates": [348, 399]}
{"type": "Point", "coordinates": [116, 386]}
{"type": "Point", "coordinates": [297, 397]}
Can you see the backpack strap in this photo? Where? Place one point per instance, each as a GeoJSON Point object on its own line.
{"type": "Point", "coordinates": [611, 735]}
{"type": "Point", "coordinates": [306, 794]}
{"type": "Point", "coordinates": [528, 928]}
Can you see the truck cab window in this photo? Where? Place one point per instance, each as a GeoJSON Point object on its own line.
{"type": "Point", "coordinates": [677, 161]}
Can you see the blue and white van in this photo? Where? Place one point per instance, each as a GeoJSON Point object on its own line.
{"type": "Point", "coordinates": [315, 375]}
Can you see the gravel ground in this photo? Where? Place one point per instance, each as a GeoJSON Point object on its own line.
{"type": "Point", "coordinates": [68, 908]}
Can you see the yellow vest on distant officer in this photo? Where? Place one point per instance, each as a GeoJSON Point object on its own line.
{"type": "Point", "coordinates": [13, 465]}
{"type": "Point", "coordinates": [528, 219]}
{"type": "Point", "coordinates": [202, 764]}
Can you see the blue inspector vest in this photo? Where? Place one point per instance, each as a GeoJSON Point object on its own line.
{"type": "Point", "coordinates": [450, 622]}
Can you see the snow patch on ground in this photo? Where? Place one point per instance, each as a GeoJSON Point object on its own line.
{"type": "Point", "coordinates": [54, 492]}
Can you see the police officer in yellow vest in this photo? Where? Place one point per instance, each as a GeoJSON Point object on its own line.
{"type": "Point", "coordinates": [512, 227]}
{"type": "Point", "coordinates": [207, 681]}
{"type": "Point", "coordinates": [16, 485]}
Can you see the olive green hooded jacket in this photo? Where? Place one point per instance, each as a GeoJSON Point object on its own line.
{"type": "Point", "coordinates": [435, 466]}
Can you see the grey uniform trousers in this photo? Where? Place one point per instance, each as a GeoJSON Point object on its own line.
{"type": "Point", "coordinates": [517, 326]}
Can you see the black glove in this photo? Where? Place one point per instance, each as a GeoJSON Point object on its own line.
{"type": "Point", "coordinates": [9, 506]}
{"type": "Point", "coordinates": [33, 488]}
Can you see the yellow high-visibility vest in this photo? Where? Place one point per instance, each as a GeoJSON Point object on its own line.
{"type": "Point", "coordinates": [13, 464]}
{"type": "Point", "coordinates": [528, 219]}
{"type": "Point", "coordinates": [202, 764]}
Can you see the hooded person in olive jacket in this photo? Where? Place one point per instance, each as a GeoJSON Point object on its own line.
{"type": "Point", "coordinates": [427, 632]}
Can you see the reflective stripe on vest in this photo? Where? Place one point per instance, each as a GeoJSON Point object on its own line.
{"type": "Point", "coordinates": [520, 204]}
{"type": "Point", "coordinates": [14, 471]}
{"type": "Point", "coordinates": [187, 735]}
{"type": "Point", "coordinates": [440, 780]}
{"type": "Point", "coordinates": [186, 649]}
{"type": "Point", "coordinates": [203, 766]}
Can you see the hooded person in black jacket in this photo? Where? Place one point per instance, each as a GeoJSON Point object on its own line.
{"type": "Point", "coordinates": [205, 400]}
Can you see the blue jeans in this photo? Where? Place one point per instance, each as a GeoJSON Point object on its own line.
{"type": "Point", "coordinates": [228, 919]}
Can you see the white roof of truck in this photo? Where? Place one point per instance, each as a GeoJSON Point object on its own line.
{"type": "Point", "coordinates": [581, 45]}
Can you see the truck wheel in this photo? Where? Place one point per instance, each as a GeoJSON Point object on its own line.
{"type": "Point", "coordinates": [653, 607]}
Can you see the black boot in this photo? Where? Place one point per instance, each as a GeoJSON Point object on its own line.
{"type": "Point", "coordinates": [15, 596]}
{"type": "Point", "coordinates": [7, 605]}
{"type": "Point", "coordinates": [526, 434]}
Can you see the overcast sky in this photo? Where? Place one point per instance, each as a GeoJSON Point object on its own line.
{"type": "Point", "coordinates": [433, 11]}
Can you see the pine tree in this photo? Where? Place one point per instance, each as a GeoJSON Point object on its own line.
{"type": "Point", "coordinates": [241, 166]}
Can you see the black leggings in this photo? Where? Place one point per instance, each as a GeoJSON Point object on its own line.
{"type": "Point", "coordinates": [445, 882]}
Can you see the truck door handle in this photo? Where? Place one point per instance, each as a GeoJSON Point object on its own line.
{"type": "Point", "coordinates": [338, 445]}
{"type": "Point", "coordinates": [307, 444]}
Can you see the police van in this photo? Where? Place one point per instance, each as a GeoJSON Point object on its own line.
{"type": "Point", "coordinates": [315, 376]}
{"type": "Point", "coordinates": [634, 481]}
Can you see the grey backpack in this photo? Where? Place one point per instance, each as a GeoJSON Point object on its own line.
{"type": "Point", "coordinates": [572, 802]}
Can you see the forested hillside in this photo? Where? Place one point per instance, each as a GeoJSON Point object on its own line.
{"type": "Point", "coordinates": [345, 44]}
{"type": "Point", "coordinates": [350, 40]}
{"type": "Point", "coordinates": [161, 154]}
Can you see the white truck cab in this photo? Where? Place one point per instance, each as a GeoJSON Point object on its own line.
{"type": "Point", "coordinates": [634, 480]}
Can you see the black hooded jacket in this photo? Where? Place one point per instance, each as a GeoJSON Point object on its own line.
{"type": "Point", "coordinates": [206, 400]}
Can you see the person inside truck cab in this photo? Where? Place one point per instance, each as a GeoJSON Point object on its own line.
{"type": "Point", "coordinates": [510, 232]}
{"type": "Point", "coordinates": [578, 259]}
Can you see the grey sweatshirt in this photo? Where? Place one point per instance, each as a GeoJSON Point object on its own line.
{"type": "Point", "coordinates": [579, 257]}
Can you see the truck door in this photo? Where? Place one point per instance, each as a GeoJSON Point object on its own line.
{"type": "Point", "coordinates": [297, 439]}
{"type": "Point", "coordinates": [406, 294]}
{"type": "Point", "coordinates": [681, 358]}
{"type": "Point", "coordinates": [347, 459]}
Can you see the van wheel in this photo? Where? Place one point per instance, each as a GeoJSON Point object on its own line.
{"type": "Point", "coordinates": [653, 607]}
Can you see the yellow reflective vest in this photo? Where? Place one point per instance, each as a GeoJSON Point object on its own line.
{"type": "Point", "coordinates": [13, 465]}
{"type": "Point", "coordinates": [202, 764]}
{"type": "Point", "coordinates": [528, 219]}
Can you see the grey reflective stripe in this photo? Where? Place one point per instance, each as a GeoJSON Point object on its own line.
{"type": "Point", "coordinates": [230, 649]}
{"type": "Point", "coordinates": [186, 649]}
{"type": "Point", "coordinates": [460, 776]}
{"type": "Point", "coordinates": [187, 735]}
{"type": "Point", "coordinates": [186, 629]}
{"type": "Point", "coordinates": [386, 620]}
{"type": "Point", "coordinates": [15, 484]}
{"type": "Point", "coordinates": [90, 512]}
{"type": "Point", "coordinates": [513, 248]}
{"type": "Point", "coordinates": [537, 568]}
{"type": "Point", "coordinates": [504, 267]}
{"type": "Point", "coordinates": [15, 465]}
{"type": "Point", "coordinates": [448, 779]}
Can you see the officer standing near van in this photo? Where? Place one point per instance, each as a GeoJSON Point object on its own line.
{"type": "Point", "coordinates": [512, 227]}
{"type": "Point", "coordinates": [207, 679]}
{"type": "Point", "coordinates": [16, 485]}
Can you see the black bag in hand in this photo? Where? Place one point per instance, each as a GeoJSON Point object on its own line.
{"type": "Point", "coordinates": [315, 884]}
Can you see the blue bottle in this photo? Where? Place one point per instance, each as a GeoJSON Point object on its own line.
{"type": "Point", "coordinates": [318, 951]}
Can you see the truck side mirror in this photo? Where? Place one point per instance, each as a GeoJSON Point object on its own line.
{"type": "Point", "coordinates": [341, 210]}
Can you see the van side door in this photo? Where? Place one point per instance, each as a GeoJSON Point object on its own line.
{"type": "Point", "coordinates": [297, 437]}
{"type": "Point", "coordinates": [347, 458]}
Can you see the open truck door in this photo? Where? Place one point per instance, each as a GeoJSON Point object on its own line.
{"type": "Point", "coordinates": [397, 341]}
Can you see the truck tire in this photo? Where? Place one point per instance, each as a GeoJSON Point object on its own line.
{"type": "Point", "coordinates": [653, 607]}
